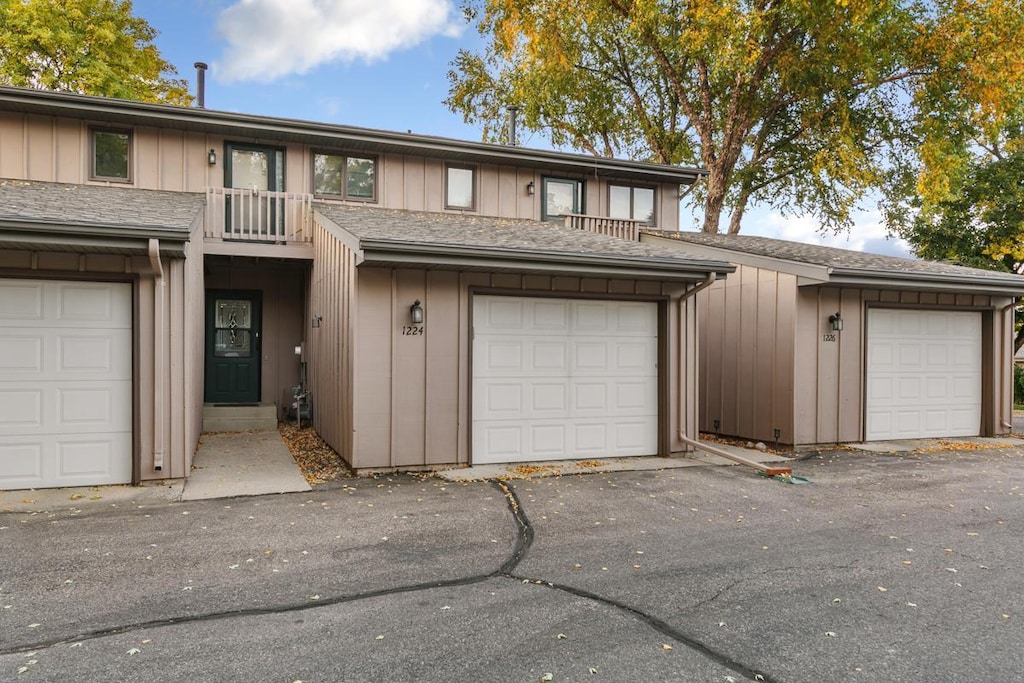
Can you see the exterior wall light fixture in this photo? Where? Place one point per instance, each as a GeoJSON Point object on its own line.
{"type": "Point", "coordinates": [530, 188]}
{"type": "Point", "coordinates": [317, 319]}
{"type": "Point", "coordinates": [211, 157]}
{"type": "Point", "coordinates": [416, 313]}
{"type": "Point", "coordinates": [836, 322]}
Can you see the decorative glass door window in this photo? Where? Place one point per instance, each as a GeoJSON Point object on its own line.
{"type": "Point", "coordinates": [233, 328]}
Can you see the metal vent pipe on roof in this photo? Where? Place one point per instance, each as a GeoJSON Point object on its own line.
{"type": "Point", "coordinates": [513, 111]}
{"type": "Point", "coordinates": [201, 84]}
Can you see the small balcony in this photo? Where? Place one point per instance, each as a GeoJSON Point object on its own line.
{"type": "Point", "coordinates": [621, 228]}
{"type": "Point", "coordinates": [239, 220]}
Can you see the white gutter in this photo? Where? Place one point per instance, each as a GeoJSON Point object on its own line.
{"type": "Point", "coordinates": [159, 283]}
{"type": "Point", "coordinates": [769, 471]}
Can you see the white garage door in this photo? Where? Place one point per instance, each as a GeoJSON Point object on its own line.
{"type": "Point", "coordinates": [923, 374]}
{"type": "Point", "coordinates": [563, 378]}
{"type": "Point", "coordinates": [65, 383]}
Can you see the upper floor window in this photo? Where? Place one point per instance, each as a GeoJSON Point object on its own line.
{"type": "Point", "coordinates": [460, 187]}
{"type": "Point", "coordinates": [111, 155]}
{"type": "Point", "coordinates": [634, 203]}
{"type": "Point", "coordinates": [344, 177]}
{"type": "Point", "coordinates": [561, 196]}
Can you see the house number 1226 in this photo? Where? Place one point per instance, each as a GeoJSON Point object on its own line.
{"type": "Point", "coordinates": [828, 338]}
{"type": "Point", "coordinates": [412, 330]}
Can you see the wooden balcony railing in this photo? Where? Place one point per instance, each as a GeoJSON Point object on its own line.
{"type": "Point", "coordinates": [258, 215]}
{"type": "Point", "coordinates": [622, 228]}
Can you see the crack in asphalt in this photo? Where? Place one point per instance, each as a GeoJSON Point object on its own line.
{"type": "Point", "coordinates": [523, 542]}
{"type": "Point", "coordinates": [526, 540]}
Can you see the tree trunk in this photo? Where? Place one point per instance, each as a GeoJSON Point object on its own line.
{"type": "Point", "coordinates": [736, 218]}
{"type": "Point", "coordinates": [713, 201]}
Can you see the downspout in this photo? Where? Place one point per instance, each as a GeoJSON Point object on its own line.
{"type": "Point", "coordinates": [1003, 387]}
{"type": "Point", "coordinates": [768, 471]}
{"type": "Point", "coordinates": [159, 283]}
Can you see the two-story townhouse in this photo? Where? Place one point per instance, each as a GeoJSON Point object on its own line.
{"type": "Point", "coordinates": [437, 298]}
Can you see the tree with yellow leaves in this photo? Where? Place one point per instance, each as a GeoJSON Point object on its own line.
{"type": "Point", "coordinates": [91, 47]}
{"type": "Point", "coordinates": [808, 106]}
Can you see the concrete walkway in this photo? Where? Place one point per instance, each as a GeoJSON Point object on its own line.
{"type": "Point", "coordinates": [242, 464]}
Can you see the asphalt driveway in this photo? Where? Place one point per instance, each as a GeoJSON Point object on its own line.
{"type": "Point", "coordinates": [886, 567]}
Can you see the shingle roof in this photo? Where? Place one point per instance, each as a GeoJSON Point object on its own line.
{"type": "Point", "coordinates": [125, 208]}
{"type": "Point", "coordinates": [472, 232]}
{"type": "Point", "coordinates": [835, 259]}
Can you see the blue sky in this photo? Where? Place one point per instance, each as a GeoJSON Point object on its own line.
{"type": "Point", "coordinates": [373, 63]}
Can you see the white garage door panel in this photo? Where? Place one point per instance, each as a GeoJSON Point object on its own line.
{"type": "Point", "coordinates": [557, 379]}
{"type": "Point", "coordinates": [923, 374]}
{"type": "Point", "coordinates": [65, 383]}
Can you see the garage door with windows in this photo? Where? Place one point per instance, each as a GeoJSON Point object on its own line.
{"type": "Point", "coordinates": [65, 383]}
{"type": "Point", "coordinates": [923, 374]}
{"type": "Point", "coordinates": [563, 378]}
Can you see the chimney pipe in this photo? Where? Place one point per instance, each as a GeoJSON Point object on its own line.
{"type": "Point", "coordinates": [200, 84]}
{"type": "Point", "coordinates": [513, 110]}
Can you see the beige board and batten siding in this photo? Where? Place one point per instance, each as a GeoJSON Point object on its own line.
{"type": "Point", "coordinates": [57, 149]}
{"type": "Point", "coordinates": [834, 373]}
{"type": "Point", "coordinates": [168, 423]}
{"type": "Point", "coordinates": [330, 324]}
{"type": "Point", "coordinates": [747, 323]}
{"type": "Point", "coordinates": [769, 359]}
{"type": "Point", "coordinates": [417, 183]}
{"type": "Point", "coordinates": [411, 389]}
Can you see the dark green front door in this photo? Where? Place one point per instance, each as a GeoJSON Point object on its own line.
{"type": "Point", "coordinates": [233, 346]}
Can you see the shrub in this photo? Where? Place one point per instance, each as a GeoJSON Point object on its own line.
{"type": "Point", "coordinates": [1018, 385]}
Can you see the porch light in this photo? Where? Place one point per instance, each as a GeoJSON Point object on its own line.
{"type": "Point", "coordinates": [836, 322]}
{"type": "Point", "coordinates": [530, 189]}
{"type": "Point", "coordinates": [317, 319]}
{"type": "Point", "coordinates": [211, 157]}
{"type": "Point", "coordinates": [416, 312]}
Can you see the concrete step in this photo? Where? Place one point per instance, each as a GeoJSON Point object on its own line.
{"type": "Point", "coordinates": [239, 418]}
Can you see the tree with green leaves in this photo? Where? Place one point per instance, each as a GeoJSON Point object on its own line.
{"type": "Point", "coordinates": [91, 47]}
{"type": "Point", "coordinates": [807, 106]}
{"type": "Point", "coordinates": [982, 226]}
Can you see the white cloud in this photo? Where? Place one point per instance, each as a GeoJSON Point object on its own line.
{"type": "Point", "coordinates": [268, 39]}
{"type": "Point", "coordinates": [868, 233]}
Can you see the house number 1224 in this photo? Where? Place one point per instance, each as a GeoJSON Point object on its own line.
{"type": "Point", "coordinates": [412, 330]}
